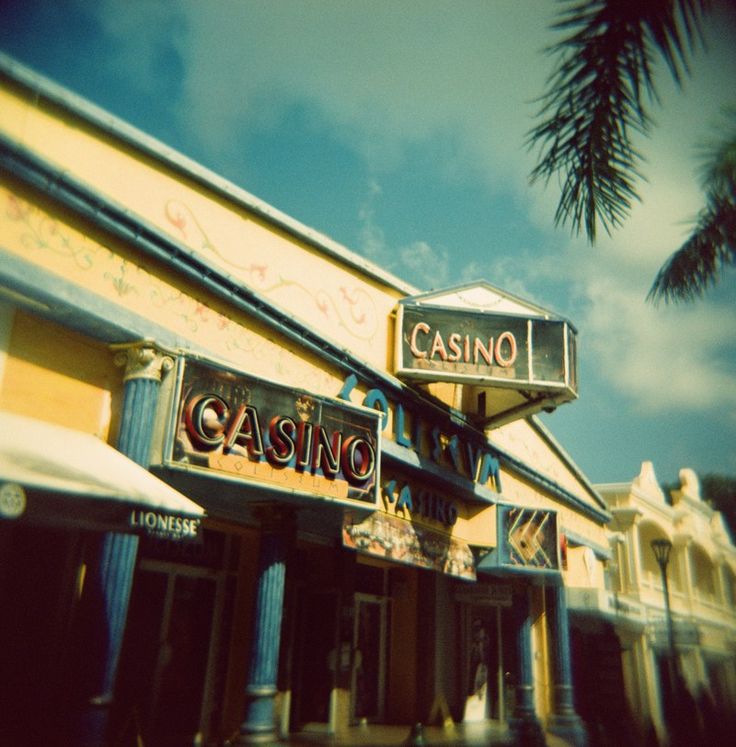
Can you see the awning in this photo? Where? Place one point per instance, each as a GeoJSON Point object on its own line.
{"type": "Point", "coordinates": [57, 476]}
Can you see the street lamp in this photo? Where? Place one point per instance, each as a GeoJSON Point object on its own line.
{"type": "Point", "coordinates": [662, 548]}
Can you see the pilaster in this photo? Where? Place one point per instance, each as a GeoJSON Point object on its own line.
{"type": "Point", "coordinates": [144, 368]}
{"type": "Point", "coordinates": [259, 725]}
{"type": "Point", "coordinates": [564, 721]}
{"type": "Point", "coordinates": [111, 570]}
{"type": "Point", "coordinates": [524, 722]}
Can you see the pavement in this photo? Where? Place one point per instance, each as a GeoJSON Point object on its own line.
{"type": "Point", "coordinates": [462, 735]}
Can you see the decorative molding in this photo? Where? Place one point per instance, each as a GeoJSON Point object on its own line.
{"type": "Point", "coordinates": [626, 516]}
{"type": "Point", "coordinates": [142, 360]}
{"type": "Point", "coordinates": [682, 539]}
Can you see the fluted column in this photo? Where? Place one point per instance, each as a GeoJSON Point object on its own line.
{"type": "Point", "coordinates": [524, 722]}
{"type": "Point", "coordinates": [110, 575]}
{"type": "Point", "coordinates": [145, 366]}
{"type": "Point", "coordinates": [259, 726]}
{"type": "Point", "coordinates": [564, 720]}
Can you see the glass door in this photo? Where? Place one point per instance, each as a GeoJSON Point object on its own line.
{"type": "Point", "coordinates": [369, 669]}
{"type": "Point", "coordinates": [489, 663]}
{"type": "Point", "coordinates": [315, 640]}
{"type": "Point", "coordinates": [179, 677]}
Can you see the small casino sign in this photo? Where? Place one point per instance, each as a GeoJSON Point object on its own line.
{"type": "Point", "coordinates": [499, 342]}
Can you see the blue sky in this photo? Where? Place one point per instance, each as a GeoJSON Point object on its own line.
{"type": "Point", "coordinates": [397, 128]}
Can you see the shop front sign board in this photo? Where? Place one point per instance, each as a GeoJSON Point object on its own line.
{"type": "Point", "coordinates": [439, 343]}
{"type": "Point", "coordinates": [240, 428]}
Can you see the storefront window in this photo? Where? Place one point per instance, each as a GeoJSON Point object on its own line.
{"type": "Point", "coordinates": [171, 674]}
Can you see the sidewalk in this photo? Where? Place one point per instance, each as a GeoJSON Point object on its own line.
{"type": "Point", "coordinates": [468, 735]}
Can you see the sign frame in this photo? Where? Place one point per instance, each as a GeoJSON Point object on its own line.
{"type": "Point", "coordinates": [463, 346]}
{"type": "Point", "coordinates": [263, 473]}
{"type": "Point", "coordinates": [527, 543]}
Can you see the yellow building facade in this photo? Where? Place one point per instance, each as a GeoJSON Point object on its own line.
{"type": "Point", "coordinates": [226, 515]}
{"type": "Point", "coordinates": [692, 642]}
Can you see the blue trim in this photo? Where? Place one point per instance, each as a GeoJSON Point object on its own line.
{"type": "Point", "coordinates": [562, 494]}
{"type": "Point", "coordinates": [424, 468]}
{"type": "Point", "coordinates": [552, 442]}
{"type": "Point", "coordinates": [602, 553]}
{"type": "Point", "coordinates": [63, 302]}
{"type": "Point", "coordinates": [121, 223]}
{"type": "Point", "coordinates": [563, 721]}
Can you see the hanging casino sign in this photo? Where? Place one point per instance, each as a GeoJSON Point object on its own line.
{"type": "Point", "coordinates": [524, 352]}
{"type": "Point", "coordinates": [245, 429]}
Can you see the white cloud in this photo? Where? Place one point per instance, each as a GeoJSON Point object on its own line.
{"type": "Point", "coordinates": [383, 73]}
{"type": "Point", "coordinates": [417, 262]}
{"type": "Point", "coordinates": [424, 266]}
{"type": "Point", "coordinates": [663, 358]}
{"type": "Point", "coordinates": [372, 238]}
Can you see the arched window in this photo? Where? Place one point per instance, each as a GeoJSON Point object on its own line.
{"type": "Point", "coordinates": [651, 573]}
{"type": "Point", "coordinates": [704, 585]}
{"type": "Point", "coordinates": [729, 587]}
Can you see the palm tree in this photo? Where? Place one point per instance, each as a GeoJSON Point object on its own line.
{"type": "Point", "coordinates": [597, 99]}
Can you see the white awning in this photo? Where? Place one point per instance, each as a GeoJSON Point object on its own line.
{"type": "Point", "coordinates": [75, 478]}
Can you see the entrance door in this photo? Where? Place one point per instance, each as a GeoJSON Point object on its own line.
{"type": "Point", "coordinates": [316, 631]}
{"type": "Point", "coordinates": [166, 656]}
{"type": "Point", "coordinates": [489, 661]}
{"type": "Point", "coordinates": [369, 646]}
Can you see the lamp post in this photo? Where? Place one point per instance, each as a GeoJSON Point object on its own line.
{"type": "Point", "coordinates": [662, 549]}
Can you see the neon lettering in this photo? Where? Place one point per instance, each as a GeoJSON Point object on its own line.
{"type": "Point", "coordinates": [415, 351]}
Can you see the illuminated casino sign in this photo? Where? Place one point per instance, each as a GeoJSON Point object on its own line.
{"type": "Point", "coordinates": [518, 351]}
{"type": "Point", "coordinates": [245, 429]}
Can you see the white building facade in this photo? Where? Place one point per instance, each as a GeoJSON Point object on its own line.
{"type": "Point", "coordinates": [698, 632]}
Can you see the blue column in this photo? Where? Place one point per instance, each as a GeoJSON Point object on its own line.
{"type": "Point", "coordinates": [564, 721]}
{"type": "Point", "coordinates": [524, 722]}
{"type": "Point", "coordinates": [259, 726]}
{"type": "Point", "coordinates": [110, 575]}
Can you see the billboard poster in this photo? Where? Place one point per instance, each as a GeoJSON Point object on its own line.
{"type": "Point", "coordinates": [385, 536]}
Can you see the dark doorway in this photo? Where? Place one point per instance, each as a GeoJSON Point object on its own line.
{"type": "Point", "coordinates": [165, 658]}
{"type": "Point", "coordinates": [315, 637]}
{"type": "Point", "coordinates": [599, 690]}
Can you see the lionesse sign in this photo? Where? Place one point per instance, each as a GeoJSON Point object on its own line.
{"type": "Point", "coordinates": [245, 429]}
{"type": "Point", "coordinates": [437, 343]}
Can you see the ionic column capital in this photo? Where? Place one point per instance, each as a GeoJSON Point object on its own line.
{"type": "Point", "coordinates": [142, 360]}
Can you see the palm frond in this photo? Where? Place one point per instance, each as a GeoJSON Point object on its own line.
{"type": "Point", "coordinates": [698, 263]}
{"type": "Point", "coordinates": [596, 100]}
